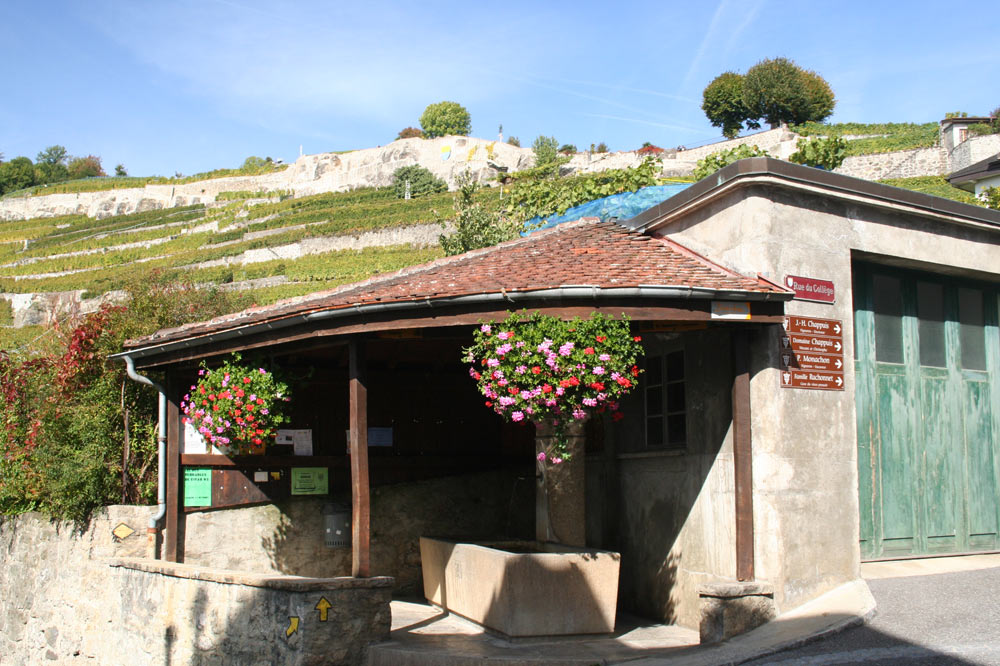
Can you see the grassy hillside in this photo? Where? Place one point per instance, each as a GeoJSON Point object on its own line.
{"type": "Point", "coordinates": [76, 252]}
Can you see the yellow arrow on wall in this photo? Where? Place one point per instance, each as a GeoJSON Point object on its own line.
{"type": "Point", "coordinates": [323, 607]}
{"type": "Point", "coordinates": [293, 626]}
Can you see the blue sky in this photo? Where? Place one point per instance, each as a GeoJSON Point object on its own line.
{"type": "Point", "coordinates": [188, 86]}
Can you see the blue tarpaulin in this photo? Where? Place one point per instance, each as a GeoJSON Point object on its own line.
{"type": "Point", "coordinates": [622, 206]}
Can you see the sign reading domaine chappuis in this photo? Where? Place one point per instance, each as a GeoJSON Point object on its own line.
{"type": "Point", "coordinates": [811, 353]}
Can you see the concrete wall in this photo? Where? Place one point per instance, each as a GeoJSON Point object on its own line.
{"type": "Point", "coordinates": [61, 602]}
{"type": "Point", "coordinates": [77, 593]}
{"type": "Point", "coordinates": [670, 512]}
{"type": "Point", "coordinates": [64, 602]}
{"type": "Point", "coordinates": [804, 441]}
{"type": "Point", "coordinates": [288, 538]}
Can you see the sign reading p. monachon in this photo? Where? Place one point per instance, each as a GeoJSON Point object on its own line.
{"type": "Point", "coordinates": [811, 353]}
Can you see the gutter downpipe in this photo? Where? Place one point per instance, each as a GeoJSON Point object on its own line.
{"type": "Point", "coordinates": [153, 529]}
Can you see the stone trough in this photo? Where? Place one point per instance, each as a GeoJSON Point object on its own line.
{"type": "Point", "coordinates": [523, 588]}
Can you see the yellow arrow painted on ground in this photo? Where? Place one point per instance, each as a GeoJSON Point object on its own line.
{"type": "Point", "coordinates": [323, 607]}
{"type": "Point", "coordinates": [293, 626]}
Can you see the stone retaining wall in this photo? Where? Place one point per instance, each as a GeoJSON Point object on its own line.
{"type": "Point", "coordinates": [246, 572]}
{"type": "Point", "coordinates": [973, 150]}
{"type": "Point", "coordinates": [900, 164]}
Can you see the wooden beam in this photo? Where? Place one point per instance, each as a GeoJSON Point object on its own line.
{"type": "Point", "coordinates": [172, 549]}
{"type": "Point", "coordinates": [742, 456]}
{"type": "Point", "coordinates": [361, 504]}
{"type": "Point", "coordinates": [677, 310]}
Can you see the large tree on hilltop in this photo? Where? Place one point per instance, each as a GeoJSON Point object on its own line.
{"type": "Point", "coordinates": [774, 91]}
{"type": "Point", "coordinates": [722, 103]}
{"type": "Point", "coordinates": [444, 119]}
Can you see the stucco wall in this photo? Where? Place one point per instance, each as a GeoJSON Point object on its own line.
{"type": "Point", "coordinates": [804, 441]}
{"type": "Point", "coordinates": [670, 513]}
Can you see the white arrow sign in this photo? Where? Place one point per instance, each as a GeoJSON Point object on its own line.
{"type": "Point", "coordinates": [836, 346]}
{"type": "Point", "coordinates": [836, 328]}
{"type": "Point", "coordinates": [840, 382]}
{"type": "Point", "coordinates": [839, 364]}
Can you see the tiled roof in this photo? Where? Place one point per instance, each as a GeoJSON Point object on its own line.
{"type": "Point", "coordinates": [586, 253]}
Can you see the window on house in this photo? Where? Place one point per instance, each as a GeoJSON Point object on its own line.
{"type": "Point", "coordinates": [666, 417]}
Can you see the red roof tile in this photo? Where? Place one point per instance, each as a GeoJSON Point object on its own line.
{"type": "Point", "coordinates": [582, 253]}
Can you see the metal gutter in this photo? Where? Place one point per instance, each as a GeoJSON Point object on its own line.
{"type": "Point", "coordinates": [570, 292]}
{"type": "Point", "coordinates": [161, 443]}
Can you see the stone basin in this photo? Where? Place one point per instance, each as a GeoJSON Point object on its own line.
{"type": "Point", "coordinates": [523, 588]}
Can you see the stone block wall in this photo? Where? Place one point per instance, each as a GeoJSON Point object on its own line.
{"type": "Point", "coordinates": [974, 149]}
{"type": "Point", "coordinates": [900, 164]}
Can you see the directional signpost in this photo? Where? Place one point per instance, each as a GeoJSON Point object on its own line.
{"type": "Point", "coordinates": [811, 354]}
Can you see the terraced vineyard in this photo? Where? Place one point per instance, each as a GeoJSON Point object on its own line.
{"type": "Point", "coordinates": [274, 247]}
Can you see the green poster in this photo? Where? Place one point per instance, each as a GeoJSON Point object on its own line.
{"type": "Point", "coordinates": [310, 481]}
{"type": "Point", "coordinates": [197, 486]}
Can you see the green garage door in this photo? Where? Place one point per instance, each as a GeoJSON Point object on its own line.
{"type": "Point", "coordinates": [927, 360]}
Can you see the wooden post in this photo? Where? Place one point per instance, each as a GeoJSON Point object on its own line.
{"type": "Point", "coordinates": [361, 501]}
{"type": "Point", "coordinates": [173, 550]}
{"type": "Point", "coordinates": [742, 456]}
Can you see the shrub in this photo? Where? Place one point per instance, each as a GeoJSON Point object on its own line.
{"type": "Point", "coordinates": [540, 192]}
{"type": "Point", "coordinates": [601, 148]}
{"type": "Point", "coordinates": [514, 141]}
{"type": "Point", "coordinates": [545, 150]}
{"type": "Point", "coordinates": [825, 152]}
{"type": "Point", "coordinates": [649, 149]}
{"type": "Point", "coordinates": [410, 133]}
{"type": "Point", "coordinates": [712, 163]}
{"type": "Point", "coordinates": [567, 149]}
{"type": "Point", "coordinates": [62, 451]}
{"type": "Point", "coordinates": [85, 167]}
{"type": "Point", "coordinates": [983, 129]}
{"type": "Point", "coordinates": [990, 197]}
{"type": "Point", "coordinates": [421, 180]}
{"type": "Point", "coordinates": [476, 224]}
{"type": "Point", "coordinates": [445, 119]}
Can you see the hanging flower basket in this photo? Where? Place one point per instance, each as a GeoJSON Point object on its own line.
{"type": "Point", "coordinates": [542, 369]}
{"type": "Point", "coordinates": [236, 408]}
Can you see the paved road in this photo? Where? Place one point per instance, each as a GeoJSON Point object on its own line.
{"type": "Point", "coordinates": [951, 618]}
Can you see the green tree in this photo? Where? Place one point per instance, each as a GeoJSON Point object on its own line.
{"type": "Point", "coordinates": [476, 225]}
{"type": "Point", "coordinates": [17, 174]}
{"type": "Point", "coordinates": [514, 141]}
{"type": "Point", "coordinates": [445, 119]}
{"type": "Point", "coordinates": [567, 148]}
{"type": "Point", "coordinates": [779, 91]}
{"type": "Point", "coordinates": [85, 167]}
{"type": "Point", "coordinates": [51, 164]}
{"type": "Point", "coordinates": [120, 170]}
{"type": "Point", "coordinates": [422, 181]}
{"type": "Point", "coordinates": [52, 155]}
{"type": "Point", "coordinates": [545, 149]}
{"type": "Point", "coordinates": [254, 164]}
{"type": "Point", "coordinates": [722, 102]}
